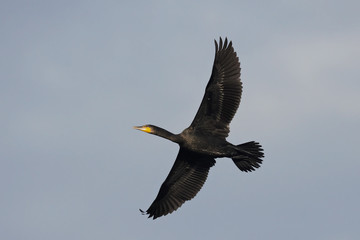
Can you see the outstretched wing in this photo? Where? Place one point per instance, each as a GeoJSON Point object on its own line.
{"type": "Point", "coordinates": [184, 181]}
{"type": "Point", "coordinates": [222, 93]}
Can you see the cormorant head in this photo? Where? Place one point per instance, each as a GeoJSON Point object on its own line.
{"type": "Point", "coordinates": [157, 131]}
{"type": "Point", "coordinates": [145, 128]}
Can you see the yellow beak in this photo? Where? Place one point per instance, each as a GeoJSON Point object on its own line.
{"type": "Point", "coordinates": [143, 128]}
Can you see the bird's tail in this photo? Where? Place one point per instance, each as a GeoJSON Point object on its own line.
{"type": "Point", "coordinates": [249, 157]}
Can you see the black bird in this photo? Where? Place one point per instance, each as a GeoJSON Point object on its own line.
{"type": "Point", "coordinates": [205, 139]}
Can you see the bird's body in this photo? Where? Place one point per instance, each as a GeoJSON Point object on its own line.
{"type": "Point", "coordinates": [205, 139]}
{"type": "Point", "coordinates": [203, 143]}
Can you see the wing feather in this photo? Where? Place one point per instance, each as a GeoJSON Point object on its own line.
{"type": "Point", "coordinates": [222, 94]}
{"type": "Point", "coordinates": [186, 178]}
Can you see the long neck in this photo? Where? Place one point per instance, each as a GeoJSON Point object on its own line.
{"type": "Point", "coordinates": [166, 134]}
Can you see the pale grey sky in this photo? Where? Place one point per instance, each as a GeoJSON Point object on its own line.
{"type": "Point", "coordinates": [77, 75]}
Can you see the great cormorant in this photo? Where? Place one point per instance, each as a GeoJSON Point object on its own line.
{"type": "Point", "coordinates": [205, 139]}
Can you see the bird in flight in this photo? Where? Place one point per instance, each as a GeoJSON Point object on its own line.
{"type": "Point", "coordinates": [205, 139]}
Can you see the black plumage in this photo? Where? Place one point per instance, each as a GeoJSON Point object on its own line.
{"type": "Point", "coordinates": [205, 139]}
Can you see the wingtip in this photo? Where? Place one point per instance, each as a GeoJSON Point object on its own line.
{"type": "Point", "coordinates": [146, 213]}
{"type": "Point", "coordinates": [225, 42]}
{"type": "Point", "coordinates": [216, 45]}
{"type": "Point", "coordinates": [230, 44]}
{"type": "Point", "coordinates": [222, 44]}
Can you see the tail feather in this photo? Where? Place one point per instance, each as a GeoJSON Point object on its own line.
{"type": "Point", "coordinates": [249, 157]}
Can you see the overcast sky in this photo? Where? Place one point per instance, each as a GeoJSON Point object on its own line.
{"type": "Point", "coordinates": [77, 75]}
